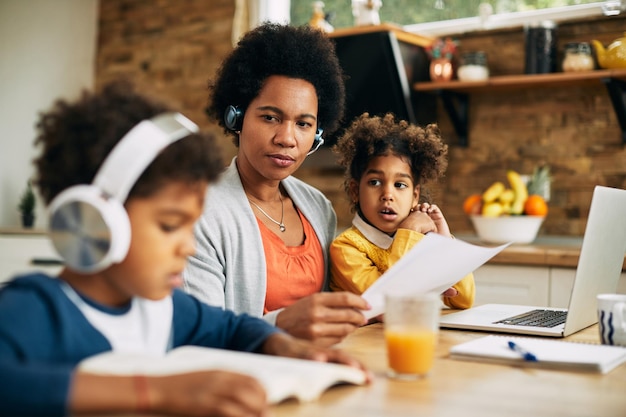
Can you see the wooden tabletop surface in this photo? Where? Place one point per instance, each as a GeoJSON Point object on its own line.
{"type": "Point", "coordinates": [459, 388]}
{"type": "Point", "coordinates": [456, 388]}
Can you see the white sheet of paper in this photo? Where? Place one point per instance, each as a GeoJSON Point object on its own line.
{"type": "Point", "coordinates": [432, 265]}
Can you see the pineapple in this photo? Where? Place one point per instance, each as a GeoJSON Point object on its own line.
{"type": "Point", "coordinates": [539, 182]}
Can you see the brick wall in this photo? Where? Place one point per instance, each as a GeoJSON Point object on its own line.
{"type": "Point", "coordinates": [572, 129]}
{"type": "Point", "coordinates": [170, 48]}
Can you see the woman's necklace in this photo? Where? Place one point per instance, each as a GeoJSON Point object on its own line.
{"type": "Point", "coordinates": [280, 223]}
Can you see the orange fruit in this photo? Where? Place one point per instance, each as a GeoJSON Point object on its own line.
{"type": "Point", "coordinates": [473, 204]}
{"type": "Point", "coordinates": [535, 206]}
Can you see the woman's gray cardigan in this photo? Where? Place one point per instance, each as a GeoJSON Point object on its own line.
{"type": "Point", "coordinates": [228, 269]}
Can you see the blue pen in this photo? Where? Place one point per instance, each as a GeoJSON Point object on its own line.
{"type": "Point", "coordinates": [526, 355]}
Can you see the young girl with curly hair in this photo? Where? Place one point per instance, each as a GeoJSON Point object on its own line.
{"type": "Point", "coordinates": [386, 163]}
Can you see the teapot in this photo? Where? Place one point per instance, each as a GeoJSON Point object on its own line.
{"type": "Point", "coordinates": [614, 56]}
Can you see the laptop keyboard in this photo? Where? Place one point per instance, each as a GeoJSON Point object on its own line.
{"type": "Point", "coordinates": [537, 318]}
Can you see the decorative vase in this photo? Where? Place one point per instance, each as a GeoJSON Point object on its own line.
{"type": "Point", "coordinates": [441, 69]}
{"type": "Point", "coordinates": [28, 220]}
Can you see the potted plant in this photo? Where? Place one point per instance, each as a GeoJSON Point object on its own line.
{"type": "Point", "coordinates": [27, 206]}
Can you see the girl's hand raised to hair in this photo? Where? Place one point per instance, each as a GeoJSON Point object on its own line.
{"type": "Point", "coordinates": [434, 212]}
{"type": "Point", "coordinates": [419, 222]}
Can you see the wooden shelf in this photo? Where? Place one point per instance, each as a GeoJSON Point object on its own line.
{"type": "Point", "coordinates": [454, 94]}
{"type": "Point", "coordinates": [509, 82]}
{"type": "Point", "coordinates": [398, 31]}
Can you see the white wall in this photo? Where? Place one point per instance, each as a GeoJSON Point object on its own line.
{"type": "Point", "coordinates": [47, 51]}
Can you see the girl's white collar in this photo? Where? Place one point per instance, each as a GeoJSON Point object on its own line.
{"type": "Point", "coordinates": [378, 238]}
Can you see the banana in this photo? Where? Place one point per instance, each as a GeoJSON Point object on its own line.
{"type": "Point", "coordinates": [521, 192]}
{"type": "Point", "coordinates": [507, 197]}
{"type": "Point", "coordinates": [492, 209]}
{"type": "Point", "coordinates": [493, 192]}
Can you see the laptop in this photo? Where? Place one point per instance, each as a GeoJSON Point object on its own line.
{"type": "Point", "coordinates": [598, 271]}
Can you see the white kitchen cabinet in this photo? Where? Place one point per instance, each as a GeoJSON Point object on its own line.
{"type": "Point", "coordinates": [528, 285]}
{"type": "Point", "coordinates": [508, 284]}
{"type": "Point", "coordinates": [562, 281]}
{"type": "Point", "coordinates": [17, 252]}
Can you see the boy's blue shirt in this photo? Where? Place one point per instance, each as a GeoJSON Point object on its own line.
{"type": "Point", "coordinates": [43, 336]}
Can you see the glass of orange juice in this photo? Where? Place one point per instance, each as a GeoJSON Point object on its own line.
{"type": "Point", "coordinates": [411, 332]}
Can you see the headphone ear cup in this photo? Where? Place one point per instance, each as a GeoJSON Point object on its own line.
{"type": "Point", "coordinates": [233, 118]}
{"type": "Point", "coordinates": [88, 230]}
{"type": "Point", "coordinates": [317, 141]}
{"type": "Point", "coordinates": [318, 135]}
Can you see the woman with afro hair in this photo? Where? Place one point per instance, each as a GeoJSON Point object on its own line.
{"type": "Point", "coordinates": [386, 162]}
{"type": "Point", "coordinates": [263, 240]}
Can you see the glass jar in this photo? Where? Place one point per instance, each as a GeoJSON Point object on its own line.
{"type": "Point", "coordinates": [473, 67]}
{"type": "Point", "coordinates": [578, 57]}
{"type": "Point", "coordinates": [540, 43]}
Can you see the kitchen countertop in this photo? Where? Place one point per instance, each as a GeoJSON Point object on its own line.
{"type": "Point", "coordinates": [548, 251]}
{"type": "Point", "coordinates": [22, 231]}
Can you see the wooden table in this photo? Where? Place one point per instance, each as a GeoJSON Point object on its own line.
{"type": "Point", "coordinates": [465, 389]}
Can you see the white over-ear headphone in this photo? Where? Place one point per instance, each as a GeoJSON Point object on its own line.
{"type": "Point", "coordinates": [89, 226]}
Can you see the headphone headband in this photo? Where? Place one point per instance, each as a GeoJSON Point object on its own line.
{"type": "Point", "coordinates": [137, 149]}
{"type": "Point", "coordinates": [89, 226]}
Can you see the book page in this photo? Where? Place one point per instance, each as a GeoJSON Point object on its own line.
{"type": "Point", "coordinates": [282, 377]}
{"type": "Point", "coordinates": [434, 264]}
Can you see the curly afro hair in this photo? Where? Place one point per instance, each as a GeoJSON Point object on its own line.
{"type": "Point", "coordinates": [77, 136]}
{"type": "Point", "coordinates": [272, 49]}
{"type": "Point", "coordinates": [369, 137]}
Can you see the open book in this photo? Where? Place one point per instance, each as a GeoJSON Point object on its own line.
{"type": "Point", "coordinates": [541, 353]}
{"type": "Point", "coordinates": [281, 377]}
{"type": "Point", "coordinates": [434, 264]}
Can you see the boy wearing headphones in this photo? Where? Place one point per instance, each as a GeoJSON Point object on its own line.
{"type": "Point", "coordinates": [125, 182]}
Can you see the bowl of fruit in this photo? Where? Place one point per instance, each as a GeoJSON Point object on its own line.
{"type": "Point", "coordinates": [504, 214]}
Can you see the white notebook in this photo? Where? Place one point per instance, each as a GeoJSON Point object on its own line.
{"type": "Point", "coordinates": [548, 354]}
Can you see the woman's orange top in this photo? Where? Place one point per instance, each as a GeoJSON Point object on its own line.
{"type": "Point", "coordinates": [293, 272]}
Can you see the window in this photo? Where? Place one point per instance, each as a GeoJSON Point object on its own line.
{"type": "Point", "coordinates": [437, 17]}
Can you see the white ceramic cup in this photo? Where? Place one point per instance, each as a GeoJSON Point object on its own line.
{"type": "Point", "coordinates": [612, 319]}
